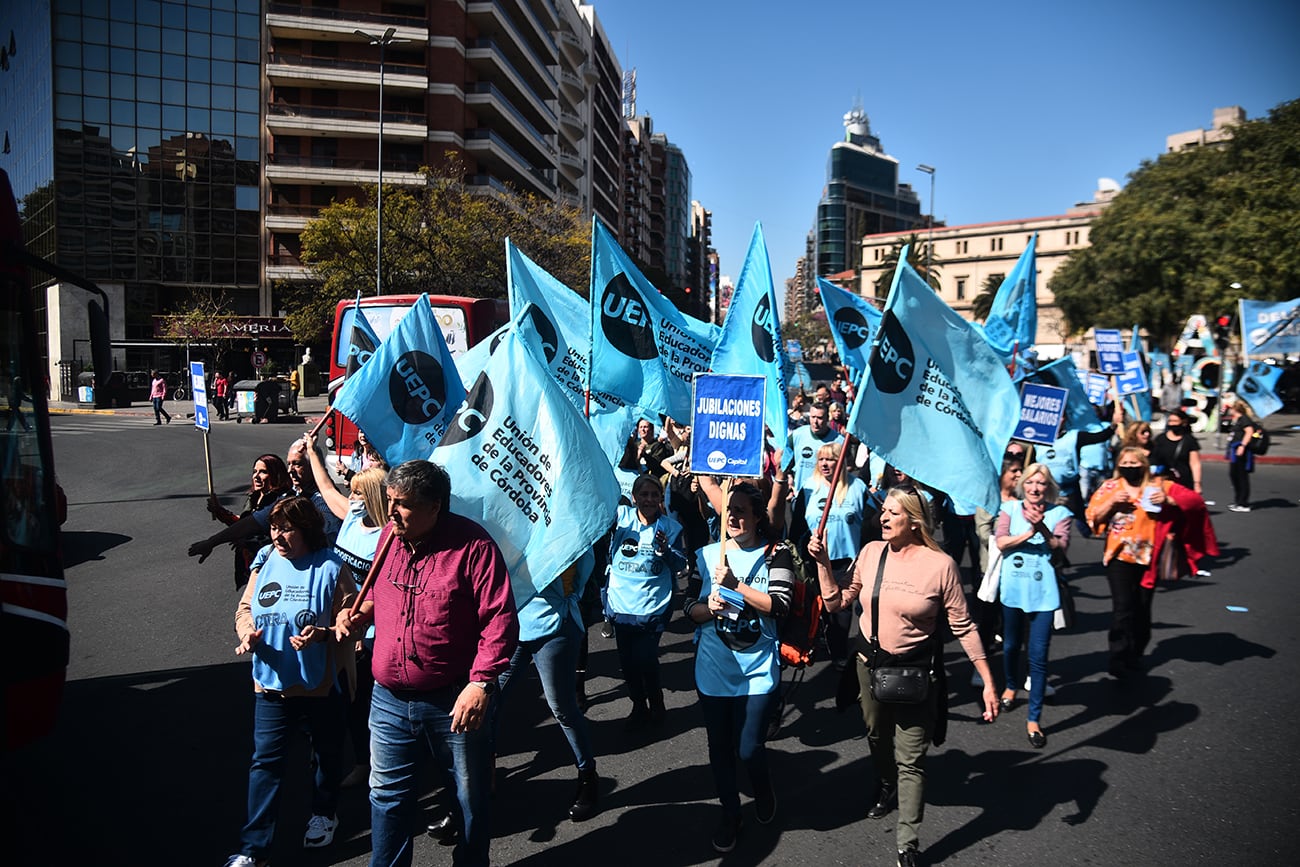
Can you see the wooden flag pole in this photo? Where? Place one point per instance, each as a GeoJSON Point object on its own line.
{"type": "Point", "coordinates": [835, 480]}
{"type": "Point", "coordinates": [375, 564]}
{"type": "Point", "coordinates": [726, 497]}
{"type": "Point", "coordinates": [320, 424]}
{"type": "Point", "coordinates": [207, 459]}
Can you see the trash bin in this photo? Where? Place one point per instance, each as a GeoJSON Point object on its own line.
{"type": "Point", "coordinates": [259, 400]}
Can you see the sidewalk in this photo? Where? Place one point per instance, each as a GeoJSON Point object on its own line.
{"type": "Point", "coordinates": [1284, 428]}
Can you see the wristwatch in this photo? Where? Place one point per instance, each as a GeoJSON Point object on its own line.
{"type": "Point", "coordinates": [488, 686]}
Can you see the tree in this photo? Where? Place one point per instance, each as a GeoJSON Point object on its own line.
{"type": "Point", "coordinates": [810, 329]}
{"type": "Point", "coordinates": [982, 303]}
{"type": "Point", "coordinates": [441, 238]}
{"type": "Point", "coordinates": [1187, 226]}
{"type": "Point", "coordinates": [205, 318]}
{"type": "Point", "coordinates": [916, 257]}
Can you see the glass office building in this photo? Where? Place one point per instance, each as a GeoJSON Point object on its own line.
{"type": "Point", "coordinates": [133, 132]}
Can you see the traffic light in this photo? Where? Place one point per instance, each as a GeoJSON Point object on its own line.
{"type": "Point", "coordinates": [1223, 331]}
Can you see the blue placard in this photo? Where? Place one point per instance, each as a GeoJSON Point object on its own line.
{"type": "Point", "coordinates": [1133, 378]}
{"type": "Point", "coordinates": [727, 425]}
{"type": "Point", "coordinates": [1110, 350]}
{"type": "Point", "coordinates": [1041, 409]}
{"type": "Point", "coordinates": [1098, 385]}
{"type": "Point", "coordinates": [200, 391]}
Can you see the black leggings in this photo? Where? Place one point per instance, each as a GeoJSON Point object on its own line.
{"type": "Point", "coordinates": [1240, 477]}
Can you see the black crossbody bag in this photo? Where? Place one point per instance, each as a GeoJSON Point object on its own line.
{"type": "Point", "coordinates": [896, 679]}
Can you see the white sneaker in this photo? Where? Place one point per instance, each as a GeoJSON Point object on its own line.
{"type": "Point", "coordinates": [1210, 503]}
{"type": "Point", "coordinates": [243, 861]}
{"type": "Point", "coordinates": [1048, 689]}
{"type": "Point", "coordinates": [1235, 508]}
{"type": "Point", "coordinates": [320, 832]}
{"type": "Point", "coordinates": [1202, 573]}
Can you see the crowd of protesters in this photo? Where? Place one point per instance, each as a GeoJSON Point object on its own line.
{"type": "Point", "coordinates": [425, 662]}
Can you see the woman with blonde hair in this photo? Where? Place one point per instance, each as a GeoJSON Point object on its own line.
{"type": "Point", "coordinates": [1241, 460]}
{"type": "Point", "coordinates": [1032, 531]}
{"type": "Point", "coordinates": [905, 583]}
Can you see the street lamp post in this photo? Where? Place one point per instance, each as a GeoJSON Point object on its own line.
{"type": "Point", "coordinates": [383, 42]}
{"type": "Point", "coordinates": [929, 246]}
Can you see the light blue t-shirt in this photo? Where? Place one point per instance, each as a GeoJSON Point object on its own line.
{"type": "Point", "coordinates": [1062, 458]}
{"type": "Point", "coordinates": [289, 595]}
{"type": "Point", "coordinates": [544, 613]}
{"type": "Point", "coordinates": [356, 542]}
{"type": "Point", "coordinates": [1028, 581]}
{"type": "Point", "coordinates": [801, 452]}
{"type": "Point", "coordinates": [844, 523]}
{"type": "Point", "coordinates": [332, 523]}
{"type": "Point", "coordinates": [737, 657]}
{"type": "Point", "coordinates": [640, 586]}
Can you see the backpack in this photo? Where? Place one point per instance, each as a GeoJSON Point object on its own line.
{"type": "Point", "coordinates": [1259, 443]}
{"type": "Point", "coordinates": [798, 630]}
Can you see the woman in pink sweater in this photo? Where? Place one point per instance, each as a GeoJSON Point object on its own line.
{"type": "Point", "coordinates": [916, 582]}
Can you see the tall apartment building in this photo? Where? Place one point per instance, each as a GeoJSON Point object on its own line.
{"type": "Point", "coordinates": [1220, 130]}
{"type": "Point", "coordinates": [862, 197]}
{"type": "Point", "coordinates": [701, 263]}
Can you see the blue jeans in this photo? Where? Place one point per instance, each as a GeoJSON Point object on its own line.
{"type": "Point", "coordinates": [1040, 637]}
{"type": "Point", "coordinates": [158, 411]}
{"type": "Point", "coordinates": [556, 658]}
{"type": "Point", "coordinates": [638, 654]}
{"type": "Point", "coordinates": [736, 727]}
{"type": "Point", "coordinates": [275, 721]}
{"type": "Point", "coordinates": [401, 725]}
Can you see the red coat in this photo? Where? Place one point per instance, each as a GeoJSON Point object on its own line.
{"type": "Point", "coordinates": [1190, 524]}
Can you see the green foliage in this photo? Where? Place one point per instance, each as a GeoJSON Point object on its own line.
{"type": "Point", "coordinates": [205, 317]}
{"type": "Point", "coordinates": [982, 303]}
{"type": "Point", "coordinates": [441, 238]}
{"type": "Point", "coordinates": [810, 329]}
{"type": "Point", "coordinates": [1189, 225]}
{"type": "Point", "coordinates": [917, 245]}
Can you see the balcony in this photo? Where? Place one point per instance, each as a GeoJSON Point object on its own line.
{"type": "Point", "coordinates": [339, 171]}
{"type": "Point", "coordinates": [492, 64]}
{"type": "Point", "coordinates": [309, 120]}
{"type": "Point", "coordinates": [575, 88]}
{"type": "Point", "coordinates": [493, 151]}
{"type": "Point", "coordinates": [293, 21]}
{"type": "Point", "coordinates": [295, 70]}
{"type": "Point", "coordinates": [491, 103]}
{"type": "Point", "coordinates": [571, 45]}
{"type": "Point", "coordinates": [497, 26]}
{"type": "Point", "coordinates": [571, 163]}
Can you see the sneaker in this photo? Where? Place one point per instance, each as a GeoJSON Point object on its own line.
{"type": "Point", "coordinates": [1203, 573]}
{"type": "Point", "coordinates": [320, 832]}
{"type": "Point", "coordinates": [1048, 689]}
{"type": "Point", "coordinates": [1210, 503]}
{"type": "Point", "coordinates": [724, 839]}
{"type": "Point", "coordinates": [765, 805]}
{"type": "Point", "coordinates": [1236, 508]}
{"type": "Point", "coordinates": [243, 861]}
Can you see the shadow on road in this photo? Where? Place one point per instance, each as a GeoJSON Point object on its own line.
{"type": "Point", "coordinates": [81, 546]}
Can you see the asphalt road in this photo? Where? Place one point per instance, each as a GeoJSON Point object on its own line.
{"type": "Point", "coordinates": [1197, 763]}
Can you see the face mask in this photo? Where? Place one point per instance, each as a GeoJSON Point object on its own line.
{"type": "Point", "coordinates": [1132, 475]}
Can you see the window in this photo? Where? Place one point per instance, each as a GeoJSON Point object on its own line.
{"type": "Point", "coordinates": [961, 288]}
{"type": "Point", "coordinates": [962, 247]}
{"type": "Point", "coordinates": [995, 245]}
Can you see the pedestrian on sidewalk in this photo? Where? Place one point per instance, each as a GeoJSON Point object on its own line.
{"type": "Point", "coordinates": [157, 394]}
{"type": "Point", "coordinates": [1241, 460]}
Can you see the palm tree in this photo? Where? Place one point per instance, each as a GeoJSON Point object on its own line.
{"type": "Point", "coordinates": [982, 303]}
{"type": "Point", "coordinates": [916, 257]}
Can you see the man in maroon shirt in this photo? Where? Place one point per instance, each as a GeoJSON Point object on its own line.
{"type": "Point", "coordinates": [445, 628]}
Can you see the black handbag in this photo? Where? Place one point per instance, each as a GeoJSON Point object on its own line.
{"type": "Point", "coordinates": [896, 679]}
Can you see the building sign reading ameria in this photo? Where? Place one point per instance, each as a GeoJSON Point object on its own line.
{"type": "Point", "coordinates": [229, 327]}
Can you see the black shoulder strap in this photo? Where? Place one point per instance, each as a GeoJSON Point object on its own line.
{"type": "Point", "coordinates": [875, 594]}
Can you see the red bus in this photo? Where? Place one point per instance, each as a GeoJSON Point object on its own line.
{"type": "Point", "coordinates": [464, 322]}
{"type": "Point", "coordinates": [34, 611]}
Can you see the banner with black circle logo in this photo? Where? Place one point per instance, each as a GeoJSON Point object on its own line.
{"type": "Point", "coordinates": [405, 395]}
{"type": "Point", "coordinates": [751, 342]}
{"type": "Point", "coordinates": [853, 321]}
{"type": "Point", "coordinates": [936, 400]}
{"type": "Point", "coordinates": [643, 349]}
{"type": "Point", "coordinates": [526, 466]}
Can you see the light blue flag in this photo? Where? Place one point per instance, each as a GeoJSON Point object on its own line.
{"type": "Point", "coordinates": [1079, 412]}
{"type": "Point", "coordinates": [935, 401]}
{"type": "Point", "coordinates": [1258, 387]}
{"type": "Point", "coordinates": [751, 343]}
{"type": "Point", "coordinates": [362, 340]}
{"type": "Point", "coordinates": [643, 349]}
{"type": "Point", "coordinates": [405, 395]}
{"type": "Point", "coordinates": [1270, 327]}
{"type": "Point", "coordinates": [1143, 398]}
{"type": "Point", "coordinates": [525, 465]}
{"type": "Point", "coordinates": [853, 321]}
{"type": "Point", "coordinates": [1012, 323]}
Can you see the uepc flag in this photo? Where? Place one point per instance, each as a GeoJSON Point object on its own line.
{"type": "Point", "coordinates": [1079, 412]}
{"type": "Point", "coordinates": [405, 395]}
{"type": "Point", "coordinates": [750, 343]}
{"type": "Point", "coordinates": [525, 465]}
{"type": "Point", "coordinates": [1013, 319]}
{"type": "Point", "coordinates": [1258, 387]}
{"type": "Point", "coordinates": [853, 322]}
{"type": "Point", "coordinates": [643, 349]}
{"type": "Point", "coordinates": [362, 340]}
{"type": "Point", "coordinates": [936, 401]}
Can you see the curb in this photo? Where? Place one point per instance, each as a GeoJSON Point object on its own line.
{"type": "Point", "coordinates": [1259, 459]}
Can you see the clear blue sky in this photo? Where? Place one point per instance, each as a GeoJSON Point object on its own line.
{"type": "Point", "coordinates": [1019, 106]}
